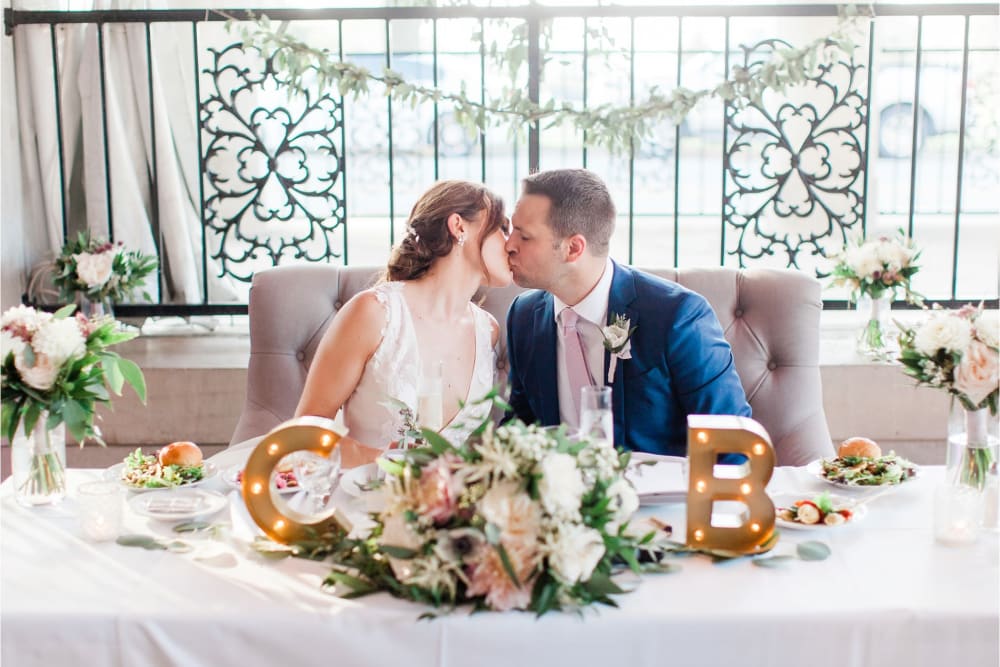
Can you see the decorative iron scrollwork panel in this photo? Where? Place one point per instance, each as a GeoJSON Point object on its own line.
{"type": "Point", "coordinates": [794, 167]}
{"type": "Point", "coordinates": [272, 165]}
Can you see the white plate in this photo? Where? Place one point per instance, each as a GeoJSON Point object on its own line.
{"type": "Point", "coordinates": [665, 481]}
{"type": "Point", "coordinates": [859, 511]}
{"type": "Point", "coordinates": [352, 479]}
{"type": "Point", "coordinates": [229, 477]}
{"type": "Point", "coordinates": [178, 504]}
{"type": "Point", "coordinates": [114, 474]}
{"type": "Point", "coordinates": [815, 468]}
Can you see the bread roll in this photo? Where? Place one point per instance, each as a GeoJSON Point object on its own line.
{"type": "Point", "coordinates": [859, 447]}
{"type": "Point", "coordinates": [185, 454]}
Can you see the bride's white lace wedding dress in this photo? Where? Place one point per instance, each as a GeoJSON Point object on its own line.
{"type": "Point", "coordinates": [394, 372]}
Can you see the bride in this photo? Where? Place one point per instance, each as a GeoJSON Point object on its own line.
{"type": "Point", "coordinates": [418, 322]}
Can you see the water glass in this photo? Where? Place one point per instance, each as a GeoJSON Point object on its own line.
{"type": "Point", "coordinates": [596, 417]}
{"type": "Point", "coordinates": [957, 512]}
{"type": "Point", "coordinates": [317, 476]}
{"type": "Point", "coordinates": [100, 512]}
{"type": "Point", "coordinates": [430, 412]}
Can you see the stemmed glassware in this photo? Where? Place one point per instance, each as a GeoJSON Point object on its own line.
{"type": "Point", "coordinates": [317, 476]}
{"type": "Point", "coordinates": [596, 417]}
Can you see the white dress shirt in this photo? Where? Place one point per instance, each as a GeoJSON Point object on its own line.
{"type": "Point", "coordinates": [593, 312]}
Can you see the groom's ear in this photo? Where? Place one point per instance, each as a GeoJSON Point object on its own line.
{"type": "Point", "coordinates": [575, 246]}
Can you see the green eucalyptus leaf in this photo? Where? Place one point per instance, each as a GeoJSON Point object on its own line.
{"type": "Point", "coordinates": [133, 375]}
{"type": "Point", "coordinates": [773, 561]}
{"type": "Point", "coordinates": [142, 541]}
{"type": "Point", "coordinates": [813, 550]}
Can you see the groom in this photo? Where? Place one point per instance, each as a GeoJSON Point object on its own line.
{"type": "Point", "coordinates": [680, 363]}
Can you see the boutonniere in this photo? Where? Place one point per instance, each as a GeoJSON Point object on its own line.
{"type": "Point", "coordinates": [618, 341]}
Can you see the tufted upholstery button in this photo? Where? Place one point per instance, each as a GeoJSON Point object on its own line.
{"type": "Point", "coordinates": [738, 312]}
{"type": "Point", "coordinates": [338, 304]}
{"type": "Point", "coordinates": [771, 365]}
{"type": "Point", "coordinates": [300, 355]}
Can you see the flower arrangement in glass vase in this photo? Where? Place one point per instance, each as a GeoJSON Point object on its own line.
{"type": "Point", "coordinates": [98, 273]}
{"type": "Point", "coordinates": [55, 369]}
{"type": "Point", "coordinates": [875, 271]}
{"type": "Point", "coordinates": [517, 517]}
{"type": "Point", "coordinates": [956, 350]}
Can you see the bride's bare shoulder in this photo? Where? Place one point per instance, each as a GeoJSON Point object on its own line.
{"type": "Point", "coordinates": [363, 313]}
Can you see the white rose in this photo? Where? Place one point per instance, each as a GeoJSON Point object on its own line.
{"type": "Point", "coordinates": [59, 340]}
{"type": "Point", "coordinates": [892, 254]}
{"type": "Point", "coordinates": [574, 552]}
{"type": "Point", "coordinates": [988, 327]}
{"type": "Point", "coordinates": [9, 343]}
{"type": "Point", "coordinates": [24, 317]}
{"type": "Point", "coordinates": [561, 486]}
{"type": "Point", "coordinates": [615, 335]}
{"type": "Point", "coordinates": [864, 261]}
{"type": "Point", "coordinates": [42, 375]}
{"type": "Point", "coordinates": [94, 269]}
{"type": "Point", "coordinates": [624, 500]}
{"type": "Point", "coordinates": [943, 331]}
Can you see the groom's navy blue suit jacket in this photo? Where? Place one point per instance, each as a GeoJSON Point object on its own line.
{"type": "Point", "coordinates": [681, 363]}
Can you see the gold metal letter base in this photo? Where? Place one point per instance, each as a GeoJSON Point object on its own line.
{"type": "Point", "coordinates": [709, 436]}
{"type": "Point", "coordinates": [314, 434]}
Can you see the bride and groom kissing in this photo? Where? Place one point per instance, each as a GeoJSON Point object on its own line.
{"type": "Point", "coordinates": [422, 315]}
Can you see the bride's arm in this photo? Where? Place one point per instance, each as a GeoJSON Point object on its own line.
{"type": "Point", "coordinates": [348, 343]}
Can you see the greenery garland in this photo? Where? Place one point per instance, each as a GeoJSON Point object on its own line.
{"type": "Point", "coordinates": [613, 127]}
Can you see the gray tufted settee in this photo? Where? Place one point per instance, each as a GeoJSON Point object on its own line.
{"type": "Point", "coordinates": [770, 317]}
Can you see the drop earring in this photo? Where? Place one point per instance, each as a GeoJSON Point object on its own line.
{"type": "Point", "coordinates": [461, 239]}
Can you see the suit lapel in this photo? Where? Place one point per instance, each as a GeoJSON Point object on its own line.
{"type": "Point", "coordinates": [620, 300]}
{"type": "Point", "coordinates": [544, 349]}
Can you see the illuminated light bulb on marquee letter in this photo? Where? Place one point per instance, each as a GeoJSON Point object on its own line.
{"type": "Point", "coordinates": [318, 435]}
{"type": "Point", "coordinates": [710, 436]}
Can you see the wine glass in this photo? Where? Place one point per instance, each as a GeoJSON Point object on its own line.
{"type": "Point", "coordinates": [597, 420]}
{"type": "Point", "coordinates": [317, 476]}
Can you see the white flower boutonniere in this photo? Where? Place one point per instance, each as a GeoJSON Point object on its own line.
{"type": "Point", "coordinates": [617, 341]}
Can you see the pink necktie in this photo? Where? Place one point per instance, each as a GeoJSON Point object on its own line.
{"type": "Point", "coordinates": [576, 362]}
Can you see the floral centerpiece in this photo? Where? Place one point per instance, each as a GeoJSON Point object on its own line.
{"type": "Point", "coordinates": [101, 271]}
{"type": "Point", "coordinates": [55, 369]}
{"type": "Point", "coordinates": [956, 350]}
{"type": "Point", "coordinates": [875, 271]}
{"type": "Point", "coordinates": [518, 517]}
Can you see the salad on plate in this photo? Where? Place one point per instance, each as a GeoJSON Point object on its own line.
{"type": "Point", "coordinates": [176, 464]}
{"type": "Point", "coordinates": [819, 510]}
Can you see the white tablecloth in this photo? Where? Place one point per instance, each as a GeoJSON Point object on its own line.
{"type": "Point", "coordinates": [889, 595]}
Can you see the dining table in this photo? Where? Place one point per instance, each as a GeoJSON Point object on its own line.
{"type": "Point", "coordinates": [888, 594]}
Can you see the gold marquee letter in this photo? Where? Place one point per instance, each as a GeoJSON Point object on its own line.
{"type": "Point", "coordinates": [314, 434]}
{"type": "Point", "coordinates": [708, 437]}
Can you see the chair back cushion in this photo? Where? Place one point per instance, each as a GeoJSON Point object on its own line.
{"type": "Point", "coordinates": [770, 318]}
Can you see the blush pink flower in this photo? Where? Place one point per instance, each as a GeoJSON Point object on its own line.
{"type": "Point", "coordinates": [977, 375]}
{"type": "Point", "coordinates": [435, 493]}
{"type": "Point", "coordinates": [519, 520]}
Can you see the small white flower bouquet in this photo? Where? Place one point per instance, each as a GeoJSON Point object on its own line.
{"type": "Point", "coordinates": [955, 350]}
{"type": "Point", "coordinates": [100, 270]}
{"type": "Point", "coordinates": [518, 517]}
{"type": "Point", "coordinates": [877, 267]}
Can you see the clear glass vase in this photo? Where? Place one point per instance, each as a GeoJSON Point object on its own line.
{"type": "Point", "coordinates": [875, 338]}
{"type": "Point", "coordinates": [973, 448]}
{"type": "Point", "coordinates": [92, 308]}
{"type": "Point", "coordinates": [38, 463]}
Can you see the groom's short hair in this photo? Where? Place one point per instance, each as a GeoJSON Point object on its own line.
{"type": "Point", "coordinates": [580, 204]}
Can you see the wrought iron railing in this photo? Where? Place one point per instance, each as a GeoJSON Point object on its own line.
{"type": "Point", "coordinates": [324, 178]}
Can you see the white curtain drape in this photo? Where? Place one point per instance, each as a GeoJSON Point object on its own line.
{"type": "Point", "coordinates": [129, 145]}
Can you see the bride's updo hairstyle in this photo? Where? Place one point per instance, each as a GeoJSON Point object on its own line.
{"type": "Point", "coordinates": [427, 236]}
